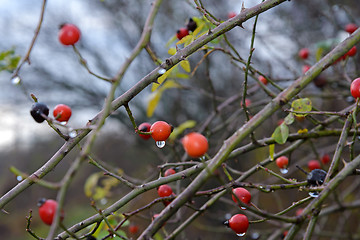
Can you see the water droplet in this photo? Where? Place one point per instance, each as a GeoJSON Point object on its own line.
{"type": "Point", "coordinates": [160, 144]}
{"type": "Point", "coordinates": [72, 133]}
{"type": "Point", "coordinates": [284, 170]}
{"type": "Point", "coordinates": [19, 178]}
{"type": "Point", "coordinates": [240, 234]}
{"type": "Point", "coordinates": [261, 187]}
{"type": "Point", "coordinates": [313, 194]}
{"type": "Point", "coordinates": [16, 80]}
{"type": "Point", "coordinates": [243, 208]}
{"type": "Point", "coordinates": [228, 215]}
{"type": "Point", "coordinates": [203, 158]}
{"type": "Point", "coordinates": [350, 99]}
{"type": "Point", "coordinates": [63, 123]}
{"type": "Point", "coordinates": [103, 201]}
{"type": "Point", "coordinates": [162, 71]}
{"type": "Point", "coordinates": [255, 235]}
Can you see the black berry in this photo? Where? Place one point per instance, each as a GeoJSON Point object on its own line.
{"type": "Point", "coordinates": [191, 25]}
{"type": "Point", "coordinates": [90, 238]}
{"type": "Point", "coordinates": [37, 109]}
{"type": "Point", "coordinates": [316, 177]}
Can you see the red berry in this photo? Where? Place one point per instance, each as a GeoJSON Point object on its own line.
{"type": "Point", "coordinates": [47, 209]}
{"type": "Point", "coordinates": [62, 112]}
{"type": "Point", "coordinates": [231, 15]}
{"type": "Point", "coordinates": [195, 144]}
{"type": "Point", "coordinates": [239, 223]}
{"type": "Point", "coordinates": [160, 130]}
{"type": "Point", "coordinates": [352, 51]}
{"type": "Point", "coordinates": [242, 194]}
{"type": "Point", "coordinates": [355, 88]}
{"type": "Point", "coordinates": [164, 191]}
{"type": "Point", "coordinates": [299, 212]}
{"type": "Point", "coordinates": [351, 27]}
{"type": "Point", "coordinates": [263, 79]}
{"type": "Point", "coordinates": [69, 34]}
{"type": "Point", "coordinates": [306, 68]}
{"type": "Point", "coordinates": [304, 53]}
{"type": "Point", "coordinates": [182, 32]}
{"type": "Point", "coordinates": [133, 229]}
{"type": "Point", "coordinates": [314, 164]}
{"type": "Point", "coordinates": [145, 127]}
{"type": "Point", "coordinates": [282, 162]}
{"type": "Point", "coordinates": [325, 158]}
{"type": "Point", "coordinates": [280, 121]}
{"type": "Point", "coordinates": [169, 172]}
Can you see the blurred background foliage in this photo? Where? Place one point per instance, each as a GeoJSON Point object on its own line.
{"type": "Point", "coordinates": [110, 29]}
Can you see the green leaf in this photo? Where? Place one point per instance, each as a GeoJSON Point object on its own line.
{"type": "Point", "coordinates": [281, 134]}
{"type": "Point", "coordinates": [289, 119]}
{"type": "Point", "coordinates": [272, 151]}
{"type": "Point", "coordinates": [181, 128]}
{"type": "Point", "coordinates": [301, 105]}
{"type": "Point", "coordinates": [318, 54]}
{"type": "Point", "coordinates": [185, 65]}
{"type": "Point", "coordinates": [91, 183]}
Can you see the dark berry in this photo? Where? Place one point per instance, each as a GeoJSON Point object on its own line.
{"type": "Point", "coordinates": [191, 25]}
{"type": "Point", "coordinates": [37, 109]}
{"type": "Point", "coordinates": [316, 177]}
{"type": "Point", "coordinates": [90, 238]}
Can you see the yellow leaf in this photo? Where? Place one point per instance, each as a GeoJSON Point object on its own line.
{"type": "Point", "coordinates": [199, 28]}
{"type": "Point", "coordinates": [185, 39]}
{"type": "Point", "coordinates": [162, 79]}
{"type": "Point", "coordinates": [153, 102]}
{"type": "Point", "coordinates": [185, 65]}
{"type": "Point", "coordinates": [272, 151]}
{"type": "Point", "coordinates": [91, 183]}
{"type": "Point", "coordinates": [155, 96]}
{"type": "Point", "coordinates": [172, 51]}
{"type": "Point", "coordinates": [300, 131]}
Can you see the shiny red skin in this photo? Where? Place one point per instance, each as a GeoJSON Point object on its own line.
{"type": "Point", "coordinates": [133, 229]}
{"type": "Point", "coordinates": [47, 211]}
{"type": "Point", "coordinates": [282, 161]}
{"type": "Point", "coordinates": [242, 194]}
{"type": "Point", "coordinates": [314, 164]}
{"type": "Point", "coordinates": [351, 27]}
{"type": "Point", "coordinates": [304, 53]}
{"type": "Point", "coordinates": [160, 130]}
{"type": "Point", "coordinates": [325, 159]}
{"type": "Point", "coordinates": [355, 88]}
{"type": "Point", "coordinates": [169, 172]}
{"type": "Point", "coordinates": [195, 144]}
{"type": "Point", "coordinates": [182, 32]}
{"type": "Point", "coordinates": [263, 79]}
{"type": "Point", "coordinates": [165, 191]}
{"type": "Point", "coordinates": [306, 68]}
{"type": "Point", "coordinates": [239, 223]}
{"type": "Point", "coordinates": [62, 113]}
{"type": "Point", "coordinates": [69, 34]}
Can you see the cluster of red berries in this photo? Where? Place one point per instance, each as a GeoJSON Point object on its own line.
{"type": "Point", "coordinates": [190, 27]}
{"type": "Point", "coordinates": [159, 131]}
{"type": "Point", "coordinates": [39, 111]}
{"type": "Point", "coordinates": [195, 144]}
{"type": "Point", "coordinates": [239, 223]}
{"type": "Point", "coordinates": [282, 162]}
